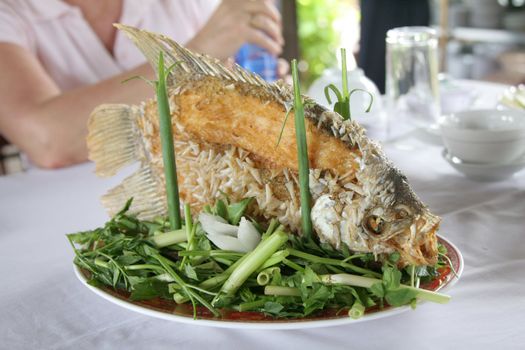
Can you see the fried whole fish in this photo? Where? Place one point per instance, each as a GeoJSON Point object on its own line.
{"type": "Point", "coordinates": [226, 123]}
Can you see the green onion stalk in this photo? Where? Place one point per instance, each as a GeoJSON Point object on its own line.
{"type": "Point", "coordinates": [357, 281]}
{"type": "Point", "coordinates": [342, 105]}
{"type": "Point", "coordinates": [190, 232]}
{"type": "Point", "coordinates": [367, 282]}
{"type": "Point", "coordinates": [275, 259]}
{"type": "Point", "coordinates": [251, 305]}
{"type": "Point", "coordinates": [302, 156]}
{"type": "Point", "coordinates": [169, 238]}
{"type": "Point", "coordinates": [212, 282]}
{"type": "Point", "coordinates": [168, 151]}
{"type": "Point", "coordinates": [186, 287]}
{"type": "Point", "coordinates": [251, 263]}
{"type": "Point", "coordinates": [331, 262]}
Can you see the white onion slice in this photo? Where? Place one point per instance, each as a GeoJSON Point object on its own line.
{"type": "Point", "coordinates": [215, 225]}
{"type": "Point", "coordinates": [228, 243]}
{"type": "Point", "coordinates": [248, 234]}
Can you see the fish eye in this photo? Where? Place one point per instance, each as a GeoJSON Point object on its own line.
{"type": "Point", "coordinates": [402, 211]}
{"type": "Point", "coordinates": [374, 225]}
{"type": "Point", "coordinates": [401, 214]}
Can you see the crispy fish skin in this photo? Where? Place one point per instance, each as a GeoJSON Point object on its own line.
{"type": "Point", "coordinates": [226, 123]}
{"type": "Point", "coordinates": [221, 112]}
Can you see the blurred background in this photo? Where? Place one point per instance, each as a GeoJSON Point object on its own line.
{"type": "Point", "coordinates": [478, 40]}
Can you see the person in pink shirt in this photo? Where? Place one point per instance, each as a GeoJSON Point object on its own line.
{"type": "Point", "coordinates": [60, 59]}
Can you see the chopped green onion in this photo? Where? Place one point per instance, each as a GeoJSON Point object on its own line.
{"type": "Point", "coordinates": [282, 291]}
{"type": "Point", "coordinates": [264, 277]}
{"type": "Point", "coordinates": [168, 149]}
{"type": "Point", "coordinates": [169, 238]}
{"type": "Point", "coordinates": [276, 258]}
{"type": "Point", "coordinates": [251, 305]}
{"type": "Point", "coordinates": [302, 155]}
{"type": "Point", "coordinates": [293, 265]}
{"type": "Point", "coordinates": [356, 311]}
{"type": "Point", "coordinates": [253, 261]}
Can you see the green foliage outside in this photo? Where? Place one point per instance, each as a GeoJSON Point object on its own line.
{"type": "Point", "coordinates": [318, 40]}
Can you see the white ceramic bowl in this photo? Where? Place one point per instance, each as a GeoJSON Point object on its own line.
{"type": "Point", "coordinates": [485, 172]}
{"type": "Point", "coordinates": [484, 136]}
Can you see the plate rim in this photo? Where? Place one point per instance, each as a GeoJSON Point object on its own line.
{"type": "Point", "coordinates": [276, 325]}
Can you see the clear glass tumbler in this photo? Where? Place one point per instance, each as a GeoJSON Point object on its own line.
{"type": "Point", "coordinates": [412, 87]}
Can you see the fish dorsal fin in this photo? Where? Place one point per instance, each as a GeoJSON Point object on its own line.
{"type": "Point", "coordinates": [188, 62]}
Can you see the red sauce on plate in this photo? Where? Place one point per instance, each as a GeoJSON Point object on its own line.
{"type": "Point", "coordinates": [444, 273]}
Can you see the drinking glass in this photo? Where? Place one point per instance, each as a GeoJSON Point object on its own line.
{"type": "Point", "coordinates": [412, 87]}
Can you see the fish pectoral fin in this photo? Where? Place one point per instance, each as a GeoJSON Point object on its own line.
{"type": "Point", "coordinates": [111, 140]}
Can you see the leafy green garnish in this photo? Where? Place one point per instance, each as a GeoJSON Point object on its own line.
{"type": "Point", "coordinates": [149, 289]}
{"type": "Point", "coordinates": [272, 307]}
{"type": "Point", "coordinates": [236, 210]}
{"type": "Point", "coordinates": [231, 212]}
{"type": "Point", "coordinates": [285, 276]}
{"type": "Point", "coordinates": [390, 289]}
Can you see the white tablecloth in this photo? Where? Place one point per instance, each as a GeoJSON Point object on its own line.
{"type": "Point", "coordinates": [44, 306]}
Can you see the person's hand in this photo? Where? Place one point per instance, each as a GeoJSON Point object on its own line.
{"type": "Point", "coordinates": [283, 70]}
{"type": "Point", "coordinates": [236, 22]}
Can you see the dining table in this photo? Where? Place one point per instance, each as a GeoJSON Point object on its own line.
{"type": "Point", "coordinates": [43, 305]}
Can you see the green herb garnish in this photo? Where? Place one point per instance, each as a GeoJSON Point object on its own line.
{"type": "Point", "coordinates": [251, 263]}
{"type": "Point", "coordinates": [168, 151]}
{"type": "Point", "coordinates": [302, 156]}
{"type": "Point", "coordinates": [283, 277]}
{"type": "Point", "coordinates": [342, 106]}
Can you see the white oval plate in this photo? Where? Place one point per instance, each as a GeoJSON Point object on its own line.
{"type": "Point", "coordinates": [149, 310]}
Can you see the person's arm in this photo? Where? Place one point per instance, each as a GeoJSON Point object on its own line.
{"type": "Point", "coordinates": [50, 125]}
{"type": "Point", "coordinates": [47, 124]}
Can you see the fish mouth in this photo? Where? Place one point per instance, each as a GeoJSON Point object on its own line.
{"type": "Point", "coordinates": [421, 247]}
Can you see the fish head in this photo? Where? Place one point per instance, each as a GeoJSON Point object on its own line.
{"type": "Point", "coordinates": [393, 217]}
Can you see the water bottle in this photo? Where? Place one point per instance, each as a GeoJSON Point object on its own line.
{"type": "Point", "coordinates": [256, 59]}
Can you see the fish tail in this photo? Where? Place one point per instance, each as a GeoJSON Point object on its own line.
{"type": "Point", "coordinates": [111, 140]}
{"type": "Point", "coordinates": [114, 142]}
